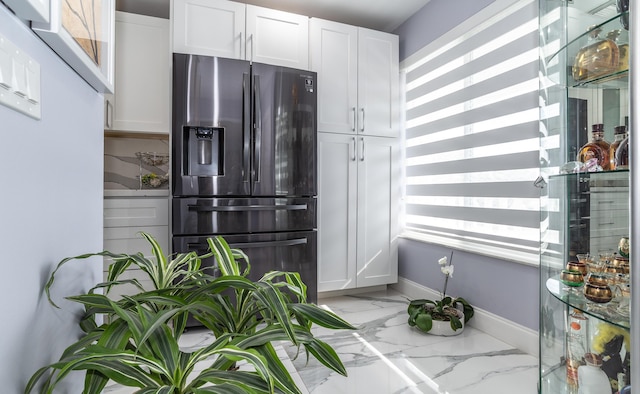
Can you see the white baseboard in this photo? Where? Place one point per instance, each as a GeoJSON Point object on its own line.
{"type": "Point", "coordinates": [518, 336]}
{"type": "Point", "coordinates": [360, 290]}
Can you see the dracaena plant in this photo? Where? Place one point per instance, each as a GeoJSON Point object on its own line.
{"type": "Point", "coordinates": [137, 345]}
{"type": "Point", "coordinates": [423, 312]}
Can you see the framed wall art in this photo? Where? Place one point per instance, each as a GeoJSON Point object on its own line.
{"type": "Point", "coordinates": [31, 10]}
{"type": "Point", "coordinates": [82, 33]}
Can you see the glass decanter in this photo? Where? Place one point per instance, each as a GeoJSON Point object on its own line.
{"type": "Point", "coordinates": [597, 148]}
{"type": "Point", "coordinates": [599, 57]}
{"type": "Point", "coordinates": [622, 154]}
{"type": "Point", "coordinates": [619, 134]}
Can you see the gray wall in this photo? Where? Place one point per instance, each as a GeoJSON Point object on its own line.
{"type": "Point", "coordinates": [51, 208]}
{"type": "Point", "coordinates": [507, 289]}
{"type": "Point", "coordinates": [433, 20]}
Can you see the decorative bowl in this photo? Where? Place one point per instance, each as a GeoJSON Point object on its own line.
{"type": "Point", "coordinates": [577, 266]}
{"type": "Point", "coordinates": [613, 269]}
{"type": "Point", "coordinates": [598, 279]}
{"type": "Point", "coordinates": [620, 261]}
{"type": "Point", "coordinates": [597, 293]}
{"type": "Point", "coordinates": [572, 278]}
{"type": "Point", "coordinates": [623, 247]}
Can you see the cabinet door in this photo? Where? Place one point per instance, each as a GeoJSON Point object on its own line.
{"type": "Point", "coordinates": [334, 56]}
{"type": "Point", "coordinates": [209, 27]}
{"type": "Point", "coordinates": [337, 195]}
{"type": "Point", "coordinates": [378, 83]}
{"type": "Point", "coordinates": [277, 37]}
{"type": "Point", "coordinates": [377, 211]}
{"type": "Point", "coordinates": [143, 75]}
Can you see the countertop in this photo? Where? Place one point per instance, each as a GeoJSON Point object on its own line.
{"type": "Point", "coordinates": [137, 193]}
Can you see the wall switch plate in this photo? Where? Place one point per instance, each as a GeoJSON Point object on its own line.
{"type": "Point", "coordinates": [19, 80]}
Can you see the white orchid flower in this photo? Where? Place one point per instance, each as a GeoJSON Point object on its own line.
{"type": "Point", "coordinates": [447, 270]}
{"type": "Point", "coordinates": [443, 261]}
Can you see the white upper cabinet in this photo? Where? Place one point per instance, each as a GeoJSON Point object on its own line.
{"type": "Point", "coordinates": [378, 83]}
{"type": "Point", "coordinates": [358, 71]}
{"type": "Point", "coordinates": [209, 27]}
{"type": "Point", "coordinates": [141, 102]}
{"type": "Point", "coordinates": [334, 56]}
{"type": "Point", "coordinates": [277, 37]}
{"type": "Point", "coordinates": [238, 31]}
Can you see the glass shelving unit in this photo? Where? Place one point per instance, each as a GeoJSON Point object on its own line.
{"type": "Point", "coordinates": [584, 211]}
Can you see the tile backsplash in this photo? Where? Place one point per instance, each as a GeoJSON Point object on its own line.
{"type": "Point", "coordinates": [135, 163]}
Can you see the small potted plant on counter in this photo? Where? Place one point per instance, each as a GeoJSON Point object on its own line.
{"type": "Point", "coordinates": [446, 316]}
{"type": "Point", "coordinates": [138, 344]}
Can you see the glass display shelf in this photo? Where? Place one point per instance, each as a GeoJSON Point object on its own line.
{"type": "Point", "coordinates": [611, 80]}
{"type": "Point", "coordinates": [594, 174]}
{"type": "Point", "coordinates": [611, 312]}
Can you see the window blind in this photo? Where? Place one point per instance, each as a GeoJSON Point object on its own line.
{"type": "Point", "coordinates": [472, 138]}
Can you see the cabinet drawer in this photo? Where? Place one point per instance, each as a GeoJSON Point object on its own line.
{"type": "Point", "coordinates": [129, 212]}
{"type": "Point", "coordinates": [127, 289]}
{"type": "Point", "coordinates": [609, 218]}
{"type": "Point", "coordinates": [128, 240]}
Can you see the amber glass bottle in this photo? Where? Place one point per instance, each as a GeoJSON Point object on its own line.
{"type": "Point", "coordinates": [622, 154]}
{"type": "Point", "coordinates": [623, 50]}
{"type": "Point", "coordinates": [597, 148]}
{"type": "Point", "coordinates": [619, 134]}
{"type": "Point", "coordinates": [599, 57]}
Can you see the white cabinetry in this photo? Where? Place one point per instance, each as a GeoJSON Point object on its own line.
{"type": "Point", "coordinates": [358, 124]}
{"type": "Point", "coordinates": [124, 218]}
{"type": "Point", "coordinates": [358, 71]}
{"type": "Point", "coordinates": [238, 31]}
{"type": "Point", "coordinates": [142, 101]}
{"type": "Point", "coordinates": [358, 215]}
{"type": "Point", "coordinates": [209, 27]}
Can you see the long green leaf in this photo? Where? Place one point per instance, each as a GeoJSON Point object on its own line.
{"type": "Point", "coordinates": [224, 256]}
{"type": "Point", "coordinates": [322, 317]}
{"type": "Point", "coordinates": [326, 355]}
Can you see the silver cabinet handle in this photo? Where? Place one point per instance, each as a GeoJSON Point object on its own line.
{"type": "Point", "coordinates": [362, 124]}
{"type": "Point", "coordinates": [241, 55]}
{"type": "Point", "coordinates": [362, 151]}
{"type": "Point", "coordinates": [109, 113]}
{"type": "Point", "coordinates": [353, 140]}
{"type": "Point", "coordinates": [353, 125]}
{"type": "Point", "coordinates": [251, 38]}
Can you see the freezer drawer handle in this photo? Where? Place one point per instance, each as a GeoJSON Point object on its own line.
{"type": "Point", "coordinates": [249, 245]}
{"type": "Point", "coordinates": [288, 242]}
{"type": "Point", "coordinates": [204, 208]}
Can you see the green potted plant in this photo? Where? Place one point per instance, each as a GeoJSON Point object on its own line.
{"type": "Point", "coordinates": [137, 345]}
{"type": "Point", "coordinates": [423, 313]}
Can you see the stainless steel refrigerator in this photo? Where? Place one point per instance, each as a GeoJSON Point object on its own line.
{"type": "Point", "coordinates": [244, 162]}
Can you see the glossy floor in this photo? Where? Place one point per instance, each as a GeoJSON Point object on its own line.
{"type": "Point", "coordinates": [385, 356]}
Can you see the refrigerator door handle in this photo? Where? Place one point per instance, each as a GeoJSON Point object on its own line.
{"type": "Point", "coordinates": [246, 128]}
{"type": "Point", "coordinates": [236, 208]}
{"type": "Point", "coordinates": [257, 127]}
{"type": "Point", "coordinates": [248, 245]}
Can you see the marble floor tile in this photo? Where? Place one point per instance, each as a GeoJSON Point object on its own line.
{"type": "Point", "coordinates": [386, 356]}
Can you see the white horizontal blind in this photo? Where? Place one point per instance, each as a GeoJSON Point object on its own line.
{"type": "Point", "coordinates": [472, 139]}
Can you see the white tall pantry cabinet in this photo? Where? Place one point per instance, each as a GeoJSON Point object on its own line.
{"type": "Point", "coordinates": [358, 124]}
